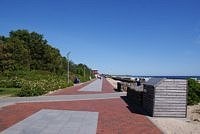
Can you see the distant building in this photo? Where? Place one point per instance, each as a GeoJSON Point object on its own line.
{"type": "Point", "coordinates": [96, 73]}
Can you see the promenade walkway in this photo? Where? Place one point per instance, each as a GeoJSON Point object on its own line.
{"type": "Point", "coordinates": [83, 111]}
{"type": "Point", "coordinates": [94, 86]}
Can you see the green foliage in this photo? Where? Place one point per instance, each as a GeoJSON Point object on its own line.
{"type": "Point", "coordinates": [83, 72]}
{"type": "Point", "coordinates": [35, 88]}
{"type": "Point", "coordinates": [11, 83]}
{"type": "Point", "coordinates": [24, 50]}
{"type": "Point", "coordinates": [39, 87]}
{"type": "Point", "coordinates": [28, 62]}
{"type": "Point", "coordinates": [193, 92]}
{"type": "Point", "coordinates": [29, 50]}
{"type": "Point", "coordinates": [8, 91]}
{"type": "Point", "coordinates": [33, 83]}
{"type": "Point", "coordinates": [31, 89]}
{"type": "Point", "coordinates": [70, 84]}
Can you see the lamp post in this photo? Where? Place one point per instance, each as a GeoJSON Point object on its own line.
{"type": "Point", "coordinates": [68, 67]}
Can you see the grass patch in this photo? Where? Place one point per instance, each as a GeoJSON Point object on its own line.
{"type": "Point", "coordinates": [8, 91]}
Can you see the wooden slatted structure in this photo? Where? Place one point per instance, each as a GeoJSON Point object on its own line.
{"type": "Point", "coordinates": [165, 97]}
{"type": "Point", "coordinates": [135, 95]}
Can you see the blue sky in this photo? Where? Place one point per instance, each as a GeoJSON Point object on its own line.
{"type": "Point", "coordinates": [138, 37]}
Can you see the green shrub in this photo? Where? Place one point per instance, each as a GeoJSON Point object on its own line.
{"type": "Point", "coordinates": [193, 92]}
{"type": "Point", "coordinates": [33, 83]}
{"type": "Point", "coordinates": [35, 88]}
{"type": "Point", "coordinates": [70, 84]}
{"type": "Point", "coordinates": [31, 89]}
{"type": "Point", "coordinates": [17, 82]}
{"type": "Point", "coordinates": [5, 83]}
{"type": "Point", "coordinates": [11, 83]}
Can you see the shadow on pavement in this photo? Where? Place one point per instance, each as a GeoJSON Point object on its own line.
{"type": "Point", "coordinates": [134, 107]}
{"type": "Point", "coordinates": [117, 90]}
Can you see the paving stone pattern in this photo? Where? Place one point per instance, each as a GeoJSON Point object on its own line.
{"type": "Point", "coordinates": [106, 88]}
{"type": "Point", "coordinates": [56, 122]}
{"type": "Point", "coordinates": [94, 86]}
{"type": "Point", "coordinates": [13, 100]}
{"type": "Point", "coordinates": [115, 116]}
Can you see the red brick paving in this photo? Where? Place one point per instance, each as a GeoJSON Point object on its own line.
{"type": "Point", "coordinates": [114, 116]}
{"type": "Point", "coordinates": [71, 90]}
{"type": "Point", "coordinates": [106, 88]}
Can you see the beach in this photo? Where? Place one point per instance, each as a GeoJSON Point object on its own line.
{"type": "Point", "coordinates": [189, 125]}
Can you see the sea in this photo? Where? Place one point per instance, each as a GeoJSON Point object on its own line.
{"type": "Point", "coordinates": [168, 77]}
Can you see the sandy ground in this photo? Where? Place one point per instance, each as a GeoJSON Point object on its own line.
{"type": "Point", "coordinates": [176, 125]}
{"type": "Point", "coordinates": [189, 125]}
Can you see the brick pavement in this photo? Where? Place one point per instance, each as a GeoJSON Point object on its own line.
{"type": "Point", "coordinates": [115, 116]}
{"type": "Point", "coordinates": [48, 121]}
{"type": "Point", "coordinates": [106, 88]}
{"type": "Point", "coordinates": [94, 86]}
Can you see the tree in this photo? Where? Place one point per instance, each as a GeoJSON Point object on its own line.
{"type": "Point", "coordinates": [29, 50]}
{"type": "Point", "coordinates": [20, 54]}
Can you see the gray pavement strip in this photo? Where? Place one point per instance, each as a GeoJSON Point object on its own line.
{"type": "Point", "coordinates": [13, 100]}
{"type": "Point", "coordinates": [48, 121]}
{"type": "Point", "coordinates": [95, 86]}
